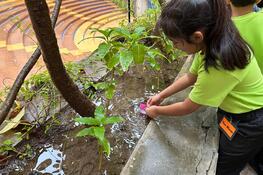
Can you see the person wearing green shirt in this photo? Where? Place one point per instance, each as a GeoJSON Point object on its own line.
{"type": "Point", "coordinates": [250, 25]}
{"type": "Point", "coordinates": [225, 74]}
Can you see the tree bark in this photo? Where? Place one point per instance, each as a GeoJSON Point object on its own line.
{"type": "Point", "coordinates": [11, 97]}
{"type": "Point", "coordinates": [39, 15]}
{"type": "Point", "coordinates": [161, 2]}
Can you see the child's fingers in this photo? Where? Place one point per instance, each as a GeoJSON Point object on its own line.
{"type": "Point", "coordinates": [149, 102]}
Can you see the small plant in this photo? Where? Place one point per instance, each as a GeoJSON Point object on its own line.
{"type": "Point", "coordinates": [7, 145]}
{"type": "Point", "coordinates": [3, 93]}
{"type": "Point", "coordinates": [121, 48]}
{"type": "Point", "coordinates": [37, 84]}
{"type": "Point", "coordinates": [41, 83]}
{"type": "Point", "coordinates": [107, 87]}
{"type": "Point", "coordinates": [97, 129]}
{"type": "Point", "coordinates": [148, 20]}
{"type": "Point", "coordinates": [27, 152]}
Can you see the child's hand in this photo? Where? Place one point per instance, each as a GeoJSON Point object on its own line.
{"type": "Point", "coordinates": [155, 100]}
{"type": "Point", "coordinates": [152, 111]}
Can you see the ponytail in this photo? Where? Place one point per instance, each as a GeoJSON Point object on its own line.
{"type": "Point", "coordinates": [224, 45]}
{"type": "Point", "coordinates": [223, 42]}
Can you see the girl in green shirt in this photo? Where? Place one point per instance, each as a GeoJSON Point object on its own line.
{"type": "Point", "coordinates": [249, 25]}
{"type": "Point", "coordinates": [224, 73]}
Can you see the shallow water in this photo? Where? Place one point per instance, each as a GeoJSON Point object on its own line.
{"type": "Point", "coordinates": [50, 160]}
{"type": "Point", "coordinates": [63, 153]}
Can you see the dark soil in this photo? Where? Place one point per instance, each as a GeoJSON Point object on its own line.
{"type": "Point", "coordinates": [59, 152]}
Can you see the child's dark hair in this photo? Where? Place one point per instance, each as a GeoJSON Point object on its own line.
{"type": "Point", "coordinates": [223, 43]}
{"type": "Point", "coordinates": [242, 3]}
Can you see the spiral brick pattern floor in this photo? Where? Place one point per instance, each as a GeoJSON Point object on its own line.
{"type": "Point", "coordinates": [17, 40]}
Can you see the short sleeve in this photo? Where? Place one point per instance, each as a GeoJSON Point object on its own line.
{"type": "Point", "coordinates": [196, 64]}
{"type": "Point", "coordinates": [212, 87]}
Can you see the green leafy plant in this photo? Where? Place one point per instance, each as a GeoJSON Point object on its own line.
{"type": "Point", "coordinates": [149, 20]}
{"type": "Point", "coordinates": [27, 152]}
{"type": "Point", "coordinates": [7, 145]}
{"type": "Point", "coordinates": [41, 83]}
{"type": "Point", "coordinates": [37, 84]}
{"type": "Point", "coordinates": [122, 49]}
{"type": "Point", "coordinates": [3, 93]}
{"type": "Point", "coordinates": [97, 129]}
{"type": "Point", "coordinates": [107, 86]}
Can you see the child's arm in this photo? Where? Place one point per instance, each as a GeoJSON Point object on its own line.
{"type": "Point", "coordinates": [179, 85]}
{"type": "Point", "coordinates": [176, 109]}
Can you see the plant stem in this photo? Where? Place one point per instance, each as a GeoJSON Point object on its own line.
{"type": "Point", "coordinates": [100, 157]}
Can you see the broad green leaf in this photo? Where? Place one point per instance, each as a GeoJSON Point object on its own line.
{"type": "Point", "coordinates": [107, 32]}
{"type": "Point", "coordinates": [107, 56]}
{"type": "Point", "coordinates": [153, 63]}
{"type": "Point", "coordinates": [86, 132]}
{"type": "Point", "coordinates": [112, 120]}
{"type": "Point", "coordinates": [135, 37]}
{"type": "Point", "coordinates": [106, 146]}
{"type": "Point", "coordinates": [8, 142]}
{"type": "Point", "coordinates": [88, 121]}
{"type": "Point", "coordinates": [155, 52]}
{"type": "Point", "coordinates": [139, 52]}
{"type": "Point", "coordinates": [173, 57]}
{"type": "Point", "coordinates": [88, 84]}
{"type": "Point", "coordinates": [99, 113]}
{"type": "Point", "coordinates": [117, 45]}
{"type": "Point", "coordinates": [139, 30]}
{"type": "Point", "coordinates": [125, 59]}
{"type": "Point", "coordinates": [122, 31]}
{"type": "Point", "coordinates": [99, 133]}
{"type": "Point", "coordinates": [113, 61]}
{"type": "Point", "coordinates": [109, 93]}
{"type": "Point", "coordinates": [6, 148]}
{"type": "Point", "coordinates": [103, 50]}
{"type": "Point", "coordinates": [102, 85]}
{"type": "Point", "coordinates": [119, 71]}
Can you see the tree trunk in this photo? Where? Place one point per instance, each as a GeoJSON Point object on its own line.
{"type": "Point", "coordinates": [39, 15]}
{"type": "Point", "coordinates": [162, 2]}
{"type": "Point", "coordinates": [11, 97]}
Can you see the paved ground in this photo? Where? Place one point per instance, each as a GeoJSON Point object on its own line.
{"type": "Point", "coordinates": [17, 40]}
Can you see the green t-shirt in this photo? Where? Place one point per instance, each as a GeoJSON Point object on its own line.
{"type": "Point", "coordinates": [250, 27]}
{"type": "Point", "coordinates": [237, 91]}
